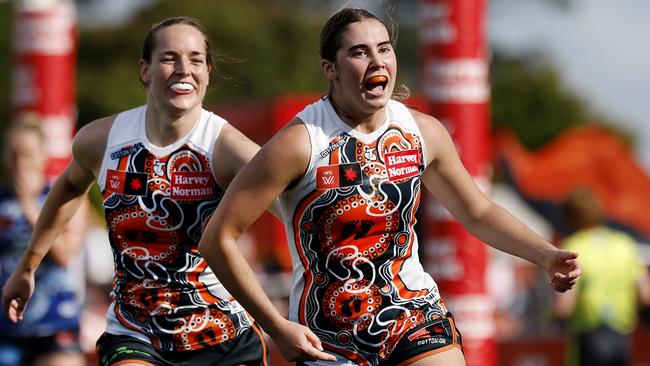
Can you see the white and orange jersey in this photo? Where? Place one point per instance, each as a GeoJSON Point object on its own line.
{"type": "Point", "coordinates": [358, 282]}
{"type": "Point", "coordinates": [157, 201]}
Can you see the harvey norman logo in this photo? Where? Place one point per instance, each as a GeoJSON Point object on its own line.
{"type": "Point", "coordinates": [402, 164]}
{"type": "Point", "coordinates": [192, 185]}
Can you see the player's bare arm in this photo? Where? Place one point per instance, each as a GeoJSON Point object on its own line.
{"type": "Point", "coordinates": [280, 162]}
{"type": "Point", "coordinates": [450, 183]}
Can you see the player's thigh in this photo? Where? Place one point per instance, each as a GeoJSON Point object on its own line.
{"type": "Point", "coordinates": [127, 351]}
{"type": "Point", "coordinates": [451, 357]}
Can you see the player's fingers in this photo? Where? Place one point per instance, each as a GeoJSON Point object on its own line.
{"type": "Point", "coordinates": [566, 280]}
{"type": "Point", "coordinates": [558, 287]}
{"type": "Point", "coordinates": [316, 349]}
{"type": "Point", "coordinates": [314, 354]}
{"type": "Point", "coordinates": [15, 310]}
{"type": "Point", "coordinates": [571, 263]}
{"type": "Point", "coordinates": [313, 339]}
{"type": "Point", "coordinates": [561, 286]}
{"type": "Point", "coordinates": [575, 273]}
{"type": "Point", "coordinates": [567, 255]}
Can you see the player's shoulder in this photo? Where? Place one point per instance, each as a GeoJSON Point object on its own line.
{"type": "Point", "coordinates": [290, 145]}
{"type": "Point", "coordinates": [427, 124]}
{"type": "Point", "coordinates": [90, 141]}
{"type": "Point", "coordinates": [294, 136]}
{"type": "Point", "coordinates": [95, 132]}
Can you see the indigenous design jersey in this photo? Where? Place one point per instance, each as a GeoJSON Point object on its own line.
{"type": "Point", "coordinates": [358, 283]}
{"type": "Point", "coordinates": [156, 202]}
{"type": "Point", "coordinates": [54, 306]}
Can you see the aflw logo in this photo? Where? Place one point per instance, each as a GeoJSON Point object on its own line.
{"type": "Point", "coordinates": [115, 184]}
{"type": "Point", "coordinates": [127, 183]}
{"type": "Point", "coordinates": [328, 180]}
{"type": "Point", "coordinates": [340, 175]}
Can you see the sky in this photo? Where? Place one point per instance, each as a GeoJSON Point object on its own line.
{"type": "Point", "coordinates": [600, 47]}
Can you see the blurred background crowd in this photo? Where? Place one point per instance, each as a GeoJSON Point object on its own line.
{"type": "Point", "coordinates": [567, 92]}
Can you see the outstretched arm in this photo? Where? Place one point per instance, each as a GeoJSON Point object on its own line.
{"type": "Point", "coordinates": [452, 185]}
{"type": "Point", "coordinates": [68, 243]}
{"type": "Point", "coordinates": [279, 163]}
{"type": "Point", "coordinates": [60, 206]}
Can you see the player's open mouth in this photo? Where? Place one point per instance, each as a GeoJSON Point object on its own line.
{"type": "Point", "coordinates": [181, 87]}
{"type": "Point", "coordinates": [376, 84]}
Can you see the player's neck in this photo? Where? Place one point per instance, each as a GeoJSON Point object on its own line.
{"type": "Point", "coordinates": [361, 121]}
{"type": "Point", "coordinates": [164, 129]}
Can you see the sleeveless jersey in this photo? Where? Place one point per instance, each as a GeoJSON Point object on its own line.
{"type": "Point", "coordinates": [55, 305]}
{"type": "Point", "coordinates": [358, 283]}
{"type": "Point", "coordinates": [157, 201]}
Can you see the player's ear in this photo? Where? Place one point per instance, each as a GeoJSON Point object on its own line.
{"type": "Point", "coordinates": [144, 72]}
{"type": "Point", "coordinates": [329, 69]}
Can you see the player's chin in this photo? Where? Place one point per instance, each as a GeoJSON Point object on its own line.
{"type": "Point", "coordinates": [181, 107]}
{"type": "Point", "coordinates": [377, 103]}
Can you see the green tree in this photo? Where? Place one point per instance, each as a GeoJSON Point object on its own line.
{"type": "Point", "coordinates": [264, 48]}
{"type": "Point", "coordinates": [529, 99]}
{"type": "Point", "coordinates": [268, 48]}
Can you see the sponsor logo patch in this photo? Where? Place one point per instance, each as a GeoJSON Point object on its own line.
{"type": "Point", "coordinates": [125, 151]}
{"type": "Point", "coordinates": [334, 144]}
{"type": "Point", "coordinates": [436, 333]}
{"type": "Point", "coordinates": [402, 164]}
{"type": "Point", "coordinates": [428, 332]}
{"type": "Point", "coordinates": [192, 185]}
{"type": "Point", "coordinates": [336, 176]}
{"type": "Point", "coordinates": [127, 183]}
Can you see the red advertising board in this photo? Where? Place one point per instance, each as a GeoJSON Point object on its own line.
{"type": "Point", "coordinates": [43, 73]}
{"type": "Point", "coordinates": [455, 82]}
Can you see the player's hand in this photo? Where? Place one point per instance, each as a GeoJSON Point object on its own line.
{"type": "Point", "coordinates": [297, 343]}
{"type": "Point", "coordinates": [16, 293]}
{"type": "Point", "coordinates": [563, 270]}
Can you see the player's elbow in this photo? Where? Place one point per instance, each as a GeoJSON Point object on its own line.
{"type": "Point", "coordinates": [206, 250]}
{"type": "Point", "coordinates": [476, 216]}
{"type": "Point", "coordinates": [211, 247]}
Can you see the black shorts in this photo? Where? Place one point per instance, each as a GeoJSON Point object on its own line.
{"type": "Point", "coordinates": [17, 350]}
{"type": "Point", "coordinates": [250, 348]}
{"type": "Point", "coordinates": [425, 340]}
{"type": "Point", "coordinates": [604, 347]}
{"type": "Point", "coordinates": [433, 337]}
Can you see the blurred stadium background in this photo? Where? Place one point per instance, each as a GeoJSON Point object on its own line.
{"type": "Point", "coordinates": [550, 128]}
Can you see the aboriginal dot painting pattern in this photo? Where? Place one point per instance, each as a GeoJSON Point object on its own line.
{"type": "Point", "coordinates": [160, 283]}
{"type": "Point", "coordinates": [354, 243]}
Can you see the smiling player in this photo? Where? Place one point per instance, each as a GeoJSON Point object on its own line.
{"type": "Point", "coordinates": [162, 169]}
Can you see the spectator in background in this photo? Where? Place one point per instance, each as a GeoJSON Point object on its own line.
{"type": "Point", "coordinates": [602, 309]}
{"type": "Point", "coordinates": [49, 332]}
